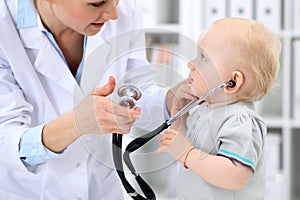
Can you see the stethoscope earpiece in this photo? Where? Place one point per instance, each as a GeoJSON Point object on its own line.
{"type": "Point", "coordinates": [231, 83]}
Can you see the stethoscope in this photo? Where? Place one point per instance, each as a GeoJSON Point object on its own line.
{"type": "Point", "coordinates": [129, 95]}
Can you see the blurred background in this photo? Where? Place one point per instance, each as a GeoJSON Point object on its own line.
{"type": "Point", "coordinates": [172, 30]}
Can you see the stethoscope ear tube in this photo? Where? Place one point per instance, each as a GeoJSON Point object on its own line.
{"type": "Point", "coordinates": [132, 146]}
{"type": "Point", "coordinates": [117, 157]}
{"type": "Point", "coordinates": [139, 142]}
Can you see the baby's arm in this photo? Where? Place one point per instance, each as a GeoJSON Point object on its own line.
{"type": "Point", "coordinates": [216, 170]}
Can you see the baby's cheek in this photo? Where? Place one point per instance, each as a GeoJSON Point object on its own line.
{"type": "Point", "coordinates": [198, 89]}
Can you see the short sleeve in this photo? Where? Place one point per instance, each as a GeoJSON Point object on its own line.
{"type": "Point", "coordinates": [241, 139]}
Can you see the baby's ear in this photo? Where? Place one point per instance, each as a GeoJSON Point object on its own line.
{"type": "Point", "coordinates": [235, 83]}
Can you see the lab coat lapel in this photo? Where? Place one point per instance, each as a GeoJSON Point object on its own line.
{"type": "Point", "coordinates": [97, 52]}
{"type": "Point", "coordinates": [48, 62]}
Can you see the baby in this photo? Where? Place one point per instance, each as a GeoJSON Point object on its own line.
{"type": "Point", "coordinates": [221, 141]}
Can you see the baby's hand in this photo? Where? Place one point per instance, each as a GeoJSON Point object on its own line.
{"type": "Point", "coordinates": [182, 97]}
{"type": "Point", "coordinates": [178, 96]}
{"type": "Point", "coordinates": [175, 144]}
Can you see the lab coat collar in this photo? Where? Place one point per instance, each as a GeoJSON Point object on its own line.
{"type": "Point", "coordinates": [97, 52]}
{"type": "Point", "coordinates": [48, 61]}
{"type": "Point", "coordinates": [28, 24]}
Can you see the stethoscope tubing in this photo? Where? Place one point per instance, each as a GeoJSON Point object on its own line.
{"type": "Point", "coordinates": [139, 142]}
{"type": "Point", "coordinates": [117, 156]}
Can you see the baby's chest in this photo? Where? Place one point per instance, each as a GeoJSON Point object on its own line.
{"type": "Point", "coordinates": [203, 133]}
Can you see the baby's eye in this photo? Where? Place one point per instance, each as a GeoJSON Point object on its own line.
{"type": "Point", "coordinates": [98, 4]}
{"type": "Point", "coordinates": [202, 57]}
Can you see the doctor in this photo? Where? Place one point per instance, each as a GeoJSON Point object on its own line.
{"type": "Point", "coordinates": [56, 103]}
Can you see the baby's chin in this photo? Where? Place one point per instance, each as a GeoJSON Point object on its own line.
{"type": "Point", "coordinates": [198, 93]}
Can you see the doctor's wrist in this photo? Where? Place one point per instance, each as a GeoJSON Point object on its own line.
{"type": "Point", "coordinates": [58, 134]}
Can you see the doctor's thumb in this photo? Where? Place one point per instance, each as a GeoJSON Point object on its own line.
{"type": "Point", "coordinates": [107, 89]}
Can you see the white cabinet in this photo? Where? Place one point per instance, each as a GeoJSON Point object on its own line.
{"type": "Point", "coordinates": [173, 27]}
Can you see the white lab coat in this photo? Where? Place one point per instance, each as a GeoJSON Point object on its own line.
{"type": "Point", "coordinates": [37, 90]}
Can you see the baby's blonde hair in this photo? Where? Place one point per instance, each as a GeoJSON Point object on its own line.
{"type": "Point", "coordinates": [260, 50]}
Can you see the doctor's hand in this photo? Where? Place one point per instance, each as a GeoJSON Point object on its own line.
{"type": "Point", "coordinates": [98, 114]}
{"type": "Point", "coordinates": [94, 114]}
{"type": "Point", "coordinates": [178, 96]}
{"type": "Point", "coordinates": [175, 144]}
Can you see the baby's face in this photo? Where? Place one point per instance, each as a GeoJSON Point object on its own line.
{"type": "Point", "coordinates": [215, 61]}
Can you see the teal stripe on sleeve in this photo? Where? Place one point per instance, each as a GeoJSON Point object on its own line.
{"type": "Point", "coordinates": [238, 157]}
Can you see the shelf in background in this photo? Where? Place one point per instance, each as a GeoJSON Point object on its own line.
{"type": "Point", "coordinates": [274, 122]}
{"type": "Point", "coordinates": [295, 124]}
{"type": "Point", "coordinates": [289, 34]}
{"type": "Point", "coordinates": [163, 28]}
{"type": "Point", "coordinates": [280, 123]}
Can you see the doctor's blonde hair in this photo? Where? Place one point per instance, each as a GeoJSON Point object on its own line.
{"type": "Point", "coordinates": [260, 50]}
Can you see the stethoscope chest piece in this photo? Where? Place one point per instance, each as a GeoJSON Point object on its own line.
{"type": "Point", "coordinates": [129, 94]}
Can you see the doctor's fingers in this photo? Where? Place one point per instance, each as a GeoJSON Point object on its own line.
{"type": "Point", "coordinates": [107, 89]}
{"type": "Point", "coordinates": [115, 124]}
{"type": "Point", "coordinates": [94, 115]}
{"type": "Point", "coordinates": [104, 104]}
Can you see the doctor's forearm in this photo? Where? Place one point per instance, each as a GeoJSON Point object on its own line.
{"type": "Point", "coordinates": [60, 133]}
